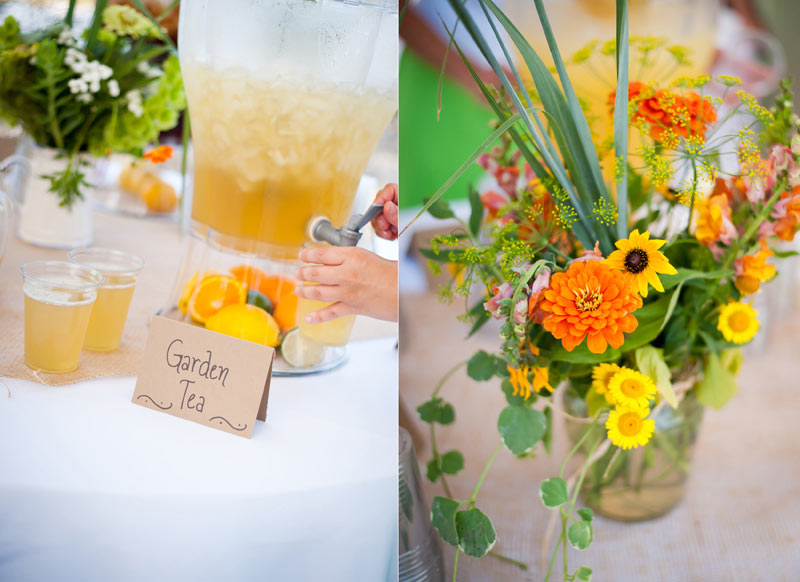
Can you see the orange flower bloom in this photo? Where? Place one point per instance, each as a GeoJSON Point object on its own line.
{"type": "Point", "coordinates": [787, 215]}
{"type": "Point", "coordinates": [159, 155]}
{"type": "Point", "coordinates": [713, 220]}
{"type": "Point", "coordinates": [666, 112]}
{"type": "Point", "coordinates": [590, 300]}
{"type": "Point", "coordinates": [752, 270]}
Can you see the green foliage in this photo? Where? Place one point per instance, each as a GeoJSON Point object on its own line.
{"type": "Point", "coordinates": [521, 428]}
{"type": "Point", "coordinates": [36, 72]}
{"type": "Point", "coordinates": [437, 410]}
{"type": "Point", "coordinates": [584, 574]}
{"type": "Point", "coordinates": [452, 462]}
{"type": "Point", "coordinates": [650, 362]}
{"type": "Point", "coordinates": [553, 492]}
{"type": "Point", "coordinates": [483, 366]}
{"type": "Point", "coordinates": [476, 535]}
{"type": "Point", "coordinates": [580, 534]}
{"type": "Point", "coordinates": [719, 379]}
{"type": "Point", "coordinates": [443, 518]}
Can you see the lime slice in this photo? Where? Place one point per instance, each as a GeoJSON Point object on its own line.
{"type": "Point", "coordinates": [257, 298]}
{"type": "Point", "coordinates": [299, 352]}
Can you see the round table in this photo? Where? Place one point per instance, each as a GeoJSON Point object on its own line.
{"type": "Point", "coordinates": [93, 487]}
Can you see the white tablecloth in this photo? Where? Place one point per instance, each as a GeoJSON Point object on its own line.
{"type": "Point", "coordinates": [93, 487]}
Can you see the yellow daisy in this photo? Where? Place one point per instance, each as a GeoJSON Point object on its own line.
{"type": "Point", "coordinates": [628, 426]}
{"type": "Point", "coordinates": [639, 258]}
{"type": "Point", "coordinates": [737, 322]}
{"type": "Point", "coordinates": [629, 387]}
{"type": "Point", "coordinates": [601, 376]}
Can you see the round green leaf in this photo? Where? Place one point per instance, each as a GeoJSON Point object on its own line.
{"type": "Point", "coordinates": [432, 471]}
{"type": "Point", "coordinates": [584, 574]}
{"type": "Point", "coordinates": [476, 535]}
{"type": "Point", "coordinates": [443, 518]}
{"type": "Point", "coordinates": [553, 492]}
{"type": "Point", "coordinates": [481, 366]}
{"type": "Point", "coordinates": [511, 398]}
{"type": "Point", "coordinates": [521, 428]}
{"type": "Point", "coordinates": [452, 462]}
{"type": "Point", "coordinates": [586, 514]}
{"type": "Point", "coordinates": [429, 411]}
{"type": "Point", "coordinates": [580, 535]}
{"type": "Point", "coordinates": [447, 414]}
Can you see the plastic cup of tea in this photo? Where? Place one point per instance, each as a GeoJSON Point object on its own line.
{"type": "Point", "coordinates": [58, 303]}
{"type": "Point", "coordinates": [110, 311]}
{"type": "Point", "coordinates": [335, 332]}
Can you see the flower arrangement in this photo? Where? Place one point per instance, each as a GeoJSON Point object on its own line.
{"type": "Point", "coordinates": [104, 91]}
{"type": "Point", "coordinates": [634, 298]}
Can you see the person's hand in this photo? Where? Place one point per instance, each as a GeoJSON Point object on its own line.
{"type": "Point", "coordinates": [385, 224]}
{"type": "Point", "coordinates": [356, 281]}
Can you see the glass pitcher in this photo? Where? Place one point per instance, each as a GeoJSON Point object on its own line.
{"type": "Point", "coordinates": [288, 99]}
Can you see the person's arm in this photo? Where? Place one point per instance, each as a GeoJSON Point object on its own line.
{"type": "Point", "coordinates": [431, 46]}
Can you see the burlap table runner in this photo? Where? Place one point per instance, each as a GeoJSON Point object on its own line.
{"type": "Point", "coordinates": [160, 244]}
{"type": "Point", "coordinates": [739, 519]}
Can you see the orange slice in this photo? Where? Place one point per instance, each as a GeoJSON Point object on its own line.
{"type": "Point", "coordinates": [286, 311]}
{"type": "Point", "coordinates": [213, 294]}
{"type": "Point", "coordinates": [276, 287]}
{"type": "Point", "coordinates": [249, 276]}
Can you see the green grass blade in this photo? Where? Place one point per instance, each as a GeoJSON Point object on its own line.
{"type": "Point", "coordinates": [579, 154]}
{"type": "Point", "coordinates": [581, 125]}
{"type": "Point", "coordinates": [621, 118]}
{"type": "Point", "coordinates": [465, 166]}
{"type": "Point", "coordinates": [585, 238]}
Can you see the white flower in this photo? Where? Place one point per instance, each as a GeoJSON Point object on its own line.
{"type": "Point", "coordinates": [66, 37]}
{"type": "Point", "coordinates": [76, 60]}
{"type": "Point", "coordinates": [145, 69]}
{"type": "Point", "coordinates": [78, 86]}
{"type": "Point", "coordinates": [113, 88]}
{"type": "Point", "coordinates": [135, 102]}
{"type": "Point", "coordinates": [84, 98]}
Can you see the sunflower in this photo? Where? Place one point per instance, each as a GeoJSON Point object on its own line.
{"type": "Point", "coordinates": [601, 376]}
{"type": "Point", "coordinates": [629, 387]}
{"type": "Point", "coordinates": [639, 258]}
{"type": "Point", "coordinates": [737, 322]}
{"type": "Point", "coordinates": [592, 301]}
{"type": "Point", "coordinates": [628, 426]}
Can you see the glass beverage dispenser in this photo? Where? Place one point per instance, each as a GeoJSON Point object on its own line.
{"type": "Point", "coordinates": [288, 99]}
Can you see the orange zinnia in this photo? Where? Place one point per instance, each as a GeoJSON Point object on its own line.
{"type": "Point", "coordinates": [590, 300]}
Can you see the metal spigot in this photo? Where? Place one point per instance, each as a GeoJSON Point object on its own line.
{"type": "Point", "coordinates": [321, 229]}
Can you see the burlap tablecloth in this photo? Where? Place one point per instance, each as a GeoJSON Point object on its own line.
{"type": "Point", "coordinates": [160, 244]}
{"type": "Point", "coordinates": [739, 519]}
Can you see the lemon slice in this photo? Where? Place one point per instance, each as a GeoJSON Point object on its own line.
{"type": "Point", "coordinates": [299, 352]}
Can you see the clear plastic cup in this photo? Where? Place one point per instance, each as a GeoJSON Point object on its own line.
{"type": "Point", "coordinates": [58, 303]}
{"type": "Point", "coordinates": [110, 311]}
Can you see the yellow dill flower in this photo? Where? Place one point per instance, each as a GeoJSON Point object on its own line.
{"type": "Point", "coordinates": [601, 377]}
{"type": "Point", "coordinates": [628, 426]}
{"type": "Point", "coordinates": [737, 322]}
{"type": "Point", "coordinates": [629, 387]}
{"type": "Point", "coordinates": [639, 258]}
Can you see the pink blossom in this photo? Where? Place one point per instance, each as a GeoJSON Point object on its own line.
{"type": "Point", "coordinates": [794, 177]}
{"type": "Point", "coordinates": [488, 163]}
{"type": "Point", "coordinates": [507, 178]}
{"type": "Point", "coordinates": [592, 255]}
{"type": "Point", "coordinates": [766, 229]}
{"type": "Point", "coordinates": [796, 145]}
{"type": "Point", "coordinates": [504, 291]}
{"type": "Point", "coordinates": [520, 314]}
{"type": "Point", "coordinates": [541, 282]}
{"type": "Point", "coordinates": [781, 158]}
{"type": "Point", "coordinates": [728, 232]}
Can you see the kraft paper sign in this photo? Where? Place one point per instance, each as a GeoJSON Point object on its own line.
{"type": "Point", "coordinates": [204, 376]}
